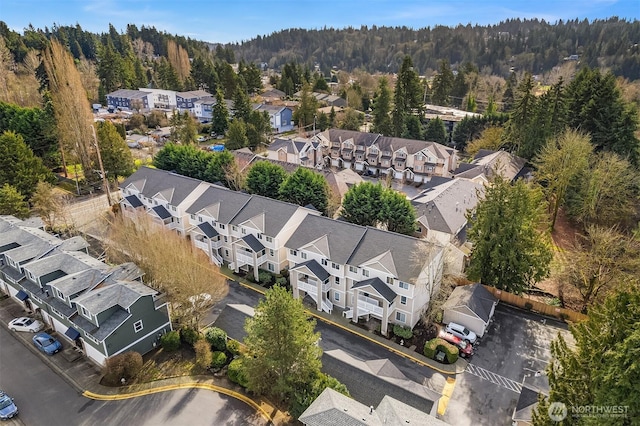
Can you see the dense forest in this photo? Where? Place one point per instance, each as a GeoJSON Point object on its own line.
{"type": "Point", "coordinates": [534, 45]}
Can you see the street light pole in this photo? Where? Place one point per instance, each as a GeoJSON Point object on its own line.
{"type": "Point", "coordinates": [104, 175]}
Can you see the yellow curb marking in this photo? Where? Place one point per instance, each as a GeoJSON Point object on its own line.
{"type": "Point", "coordinates": [447, 391]}
{"type": "Point", "coordinates": [215, 388]}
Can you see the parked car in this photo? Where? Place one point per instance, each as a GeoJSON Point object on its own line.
{"type": "Point", "coordinates": [466, 349]}
{"type": "Point", "coordinates": [462, 332]}
{"type": "Point", "coordinates": [46, 343]}
{"type": "Point", "coordinates": [25, 324]}
{"type": "Point", "coordinates": [7, 408]}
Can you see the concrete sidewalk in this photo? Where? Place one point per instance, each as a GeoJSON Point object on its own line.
{"type": "Point", "coordinates": [84, 375]}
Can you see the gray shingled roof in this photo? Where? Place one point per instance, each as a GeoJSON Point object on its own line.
{"type": "Point", "coordinates": [315, 268]}
{"type": "Point", "coordinates": [75, 283]}
{"type": "Point", "coordinates": [379, 286]}
{"type": "Point", "coordinates": [54, 262]}
{"type": "Point", "coordinates": [209, 231]}
{"type": "Point", "coordinates": [276, 213]}
{"type": "Point", "coordinates": [408, 253]}
{"type": "Point", "coordinates": [475, 297]}
{"type": "Point", "coordinates": [150, 182]}
{"type": "Point", "coordinates": [359, 138]}
{"type": "Point", "coordinates": [341, 237]}
{"type": "Point", "coordinates": [331, 408]}
{"type": "Point", "coordinates": [128, 94]}
{"type": "Point", "coordinates": [122, 294]}
{"type": "Point", "coordinates": [443, 207]}
{"type": "Point", "coordinates": [230, 202]}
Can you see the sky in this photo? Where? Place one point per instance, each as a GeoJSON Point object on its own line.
{"type": "Point", "coordinates": [224, 21]}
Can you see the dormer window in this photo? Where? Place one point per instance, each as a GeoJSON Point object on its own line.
{"type": "Point", "coordinates": [59, 294]}
{"type": "Point", "coordinates": [84, 312]}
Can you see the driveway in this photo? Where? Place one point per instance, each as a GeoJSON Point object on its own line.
{"type": "Point", "coordinates": [516, 344]}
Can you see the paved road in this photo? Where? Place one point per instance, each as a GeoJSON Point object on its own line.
{"type": "Point", "coordinates": [331, 337]}
{"type": "Point", "coordinates": [43, 398]}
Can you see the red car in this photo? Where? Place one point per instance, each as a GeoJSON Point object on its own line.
{"type": "Point", "coordinates": [466, 349]}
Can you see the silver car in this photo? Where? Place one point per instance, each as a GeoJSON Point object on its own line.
{"type": "Point", "coordinates": [462, 332]}
{"type": "Point", "coordinates": [25, 324]}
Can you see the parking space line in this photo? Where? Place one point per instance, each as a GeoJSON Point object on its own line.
{"type": "Point", "coordinates": [494, 378]}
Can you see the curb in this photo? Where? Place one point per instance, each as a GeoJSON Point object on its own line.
{"type": "Point", "coordinates": [189, 385]}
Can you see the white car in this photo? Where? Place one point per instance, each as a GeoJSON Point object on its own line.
{"type": "Point", "coordinates": [25, 324]}
{"type": "Point", "coordinates": [462, 332]}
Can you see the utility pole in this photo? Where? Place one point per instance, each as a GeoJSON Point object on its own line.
{"type": "Point", "coordinates": [104, 175]}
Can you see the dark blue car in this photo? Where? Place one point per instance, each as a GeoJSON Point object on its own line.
{"type": "Point", "coordinates": [7, 408]}
{"type": "Point", "coordinates": [46, 343]}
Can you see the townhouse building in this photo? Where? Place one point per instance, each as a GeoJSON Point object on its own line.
{"type": "Point", "coordinates": [407, 160]}
{"type": "Point", "coordinates": [102, 310]}
{"type": "Point", "coordinates": [363, 272]}
{"type": "Point", "coordinates": [300, 151]}
{"type": "Point", "coordinates": [280, 117]}
{"type": "Point", "coordinates": [245, 232]}
{"type": "Point", "coordinates": [130, 100]}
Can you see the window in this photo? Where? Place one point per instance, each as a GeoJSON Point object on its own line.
{"type": "Point", "coordinates": [402, 317]}
{"type": "Point", "coordinates": [365, 273]}
{"type": "Point", "coordinates": [221, 225]}
{"type": "Point", "coordinates": [272, 253]}
{"type": "Point", "coordinates": [59, 294]}
{"type": "Point", "coordinates": [234, 228]}
{"type": "Point", "coordinates": [336, 296]}
{"type": "Point", "coordinates": [226, 240]}
{"type": "Point", "coordinates": [259, 236]}
{"type": "Point", "coordinates": [84, 312]}
{"type": "Point", "coordinates": [353, 269]}
{"type": "Point", "coordinates": [403, 285]}
{"type": "Point", "coordinates": [193, 217]}
{"type": "Point", "coordinates": [244, 231]}
{"type": "Point", "coordinates": [325, 262]}
{"type": "Point", "coordinates": [271, 267]}
{"type": "Point", "coordinates": [337, 280]}
{"type": "Point", "coordinates": [335, 265]}
{"type": "Point", "coordinates": [390, 280]}
{"type": "Point", "coordinates": [403, 300]}
{"type": "Point", "coordinates": [199, 218]}
{"type": "Point", "coordinates": [137, 326]}
{"type": "Point", "coordinates": [303, 255]}
{"type": "Point", "coordinates": [269, 239]}
{"type": "Point", "coordinates": [226, 252]}
{"type": "Point", "coordinates": [293, 252]}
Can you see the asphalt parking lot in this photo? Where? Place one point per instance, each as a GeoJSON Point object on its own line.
{"type": "Point", "coordinates": [516, 344]}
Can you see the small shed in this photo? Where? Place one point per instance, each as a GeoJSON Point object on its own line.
{"type": "Point", "coordinates": [470, 305]}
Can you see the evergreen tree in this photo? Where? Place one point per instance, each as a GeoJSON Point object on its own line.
{"type": "Point", "coordinates": [237, 135]}
{"type": "Point", "coordinates": [511, 248]}
{"type": "Point", "coordinates": [217, 167]}
{"type": "Point", "coordinates": [601, 368]}
{"type": "Point", "coordinates": [442, 84]}
{"type": "Point", "coordinates": [382, 109]}
{"type": "Point", "coordinates": [352, 120]}
{"type": "Point", "coordinates": [597, 108]}
{"type": "Point", "coordinates": [435, 131]}
{"type": "Point", "coordinates": [508, 97]}
{"type": "Point", "coordinates": [282, 346]}
{"type": "Point", "coordinates": [396, 212]}
{"type": "Point", "coordinates": [219, 115]}
{"type": "Point", "coordinates": [19, 167]}
{"type": "Point", "coordinates": [265, 178]}
{"type": "Point", "coordinates": [361, 204]}
{"type": "Point", "coordinates": [520, 135]}
{"type": "Point", "coordinates": [304, 115]}
{"type": "Point", "coordinates": [306, 187]}
{"type": "Point", "coordinates": [241, 105]}
{"type": "Point", "coordinates": [116, 155]}
{"type": "Point", "coordinates": [12, 202]}
{"type": "Point", "coordinates": [459, 89]}
{"type": "Point", "coordinates": [407, 99]}
{"type": "Point", "coordinates": [413, 128]}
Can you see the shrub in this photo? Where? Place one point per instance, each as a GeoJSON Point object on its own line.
{"type": "Point", "coordinates": [236, 372]}
{"type": "Point", "coordinates": [434, 345]}
{"type": "Point", "coordinates": [218, 359]}
{"type": "Point", "coordinates": [265, 278]}
{"type": "Point", "coordinates": [404, 332]}
{"type": "Point", "coordinates": [170, 341]}
{"type": "Point", "coordinates": [189, 336]}
{"type": "Point", "coordinates": [555, 302]}
{"type": "Point", "coordinates": [126, 365]}
{"type": "Point", "coordinates": [308, 392]}
{"type": "Point", "coordinates": [216, 337]}
{"type": "Point", "coordinates": [528, 306]}
{"type": "Point", "coordinates": [233, 347]}
{"type": "Point", "coordinates": [203, 353]}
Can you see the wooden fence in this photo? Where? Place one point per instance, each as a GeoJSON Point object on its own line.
{"type": "Point", "coordinates": [534, 305]}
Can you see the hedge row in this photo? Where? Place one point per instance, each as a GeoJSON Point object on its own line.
{"type": "Point", "coordinates": [432, 347]}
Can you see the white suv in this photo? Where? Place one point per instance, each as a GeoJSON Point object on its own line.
{"type": "Point", "coordinates": [462, 332]}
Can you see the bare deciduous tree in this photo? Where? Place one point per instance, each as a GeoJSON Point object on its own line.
{"type": "Point", "coordinates": [172, 265]}
{"type": "Point", "coordinates": [70, 105]}
{"type": "Point", "coordinates": [179, 59]}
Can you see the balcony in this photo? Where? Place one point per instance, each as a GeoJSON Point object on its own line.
{"type": "Point", "coordinates": [201, 245]}
{"type": "Point", "coordinates": [310, 286]}
{"type": "Point", "coordinates": [367, 305]}
{"type": "Point", "coordinates": [245, 258]}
